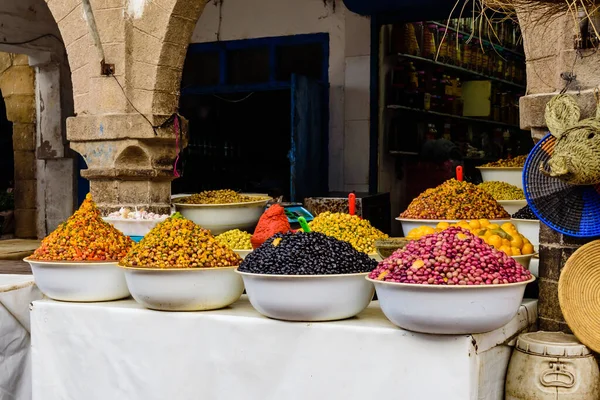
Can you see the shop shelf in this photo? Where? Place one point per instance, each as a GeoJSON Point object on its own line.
{"type": "Point", "coordinates": [446, 115]}
{"type": "Point", "coordinates": [460, 69]}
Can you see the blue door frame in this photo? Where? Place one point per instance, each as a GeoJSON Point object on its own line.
{"type": "Point", "coordinates": [272, 43]}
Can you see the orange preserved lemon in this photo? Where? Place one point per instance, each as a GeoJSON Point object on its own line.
{"type": "Point", "coordinates": [517, 241]}
{"type": "Point", "coordinates": [527, 249]}
{"type": "Point", "coordinates": [492, 227]}
{"type": "Point", "coordinates": [474, 224]}
{"type": "Point", "coordinates": [508, 227]}
{"type": "Point", "coordinates": [506, 242]}
{"type": "Point", "coordinates": [506, 250]}
{"type": "Point", "coordinates": [484, 223]}
{"type": "Point", "coordinates": [495, 240]}
{"type": "Point", "coordinates": [443, 225]}
{"type": "Point", "coordinates": [515, 251]}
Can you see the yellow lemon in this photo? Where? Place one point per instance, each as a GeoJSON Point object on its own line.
{"type": "Point", "coordinates": [484, 223]}
{"type": "Point", "coordinates": [506, 250]}
{"type": "Point", "coordinates": [517, 241]}
{"type": "Point", "coordinates": [493, 226]}
{"type": "Point", "coordinates": [515, 251]}
{"type": "Point", "coordinates": [508, 227]}
{"type": "Point", "coordinates": [527, 249]}
{"type": "Point", "coordinates": [443, 225]}
{"type": "Point", "coordinates": [474, 224]}
{"type": "Point", "coordinates": [495, 240]}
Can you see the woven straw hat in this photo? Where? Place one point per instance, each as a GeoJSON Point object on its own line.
{"type": "Point", "coordinates": [579, 294]}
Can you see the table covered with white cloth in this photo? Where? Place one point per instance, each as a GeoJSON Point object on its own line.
{"type": "Point", "coordinates": [16, 294]}
{"type": "Point", "coordinates": [121, 351]}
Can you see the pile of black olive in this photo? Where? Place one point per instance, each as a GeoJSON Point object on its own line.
{"type": "Point", "coordinates": [306, 254]}
{"type": "Point", "coordinates": [525, 213]}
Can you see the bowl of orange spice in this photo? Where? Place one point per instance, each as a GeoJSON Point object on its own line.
{"type": "Point", "coordinates": [77, 262]}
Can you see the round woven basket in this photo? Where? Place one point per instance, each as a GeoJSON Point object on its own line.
{"type": "Point", "coordinates": [573, 210]}
{"type": "Point", "coordinates": [579, 294]}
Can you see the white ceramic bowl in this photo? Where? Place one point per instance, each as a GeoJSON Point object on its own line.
{"type": "Point", "coordinates": [514, 176]}
{"type": "Point", "coordinates": [525, 260]}
{"type": "Point", "coordinates": [133, 227]}
{"type": "Point", "coordinates": [530, 228]}
{"type": "Point", "coordinates": [219, 218]}
{"type": "Point", "coordinates": [308, 297]}
{"type": "Point", "coordinates": [242, 253]}
{"type": "Point", "coordinates": [512, 206]}
{"type": "Point", "coordinates": [449, 310]}
{"type": "Point", "coordinates": [79, 281]}
{"type": "Point", "coordinates": [410, 224]}
{"type": "Point", "coordinates": [189, 289]}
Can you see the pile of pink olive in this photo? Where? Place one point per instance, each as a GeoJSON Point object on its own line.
{"type": "Point", "coordinates": [450, 282]}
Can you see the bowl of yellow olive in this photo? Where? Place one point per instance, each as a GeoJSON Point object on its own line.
{"type": "Point", "coordinates": [222, 210]}
{"type": "Point", "coordinates": [236, 240]}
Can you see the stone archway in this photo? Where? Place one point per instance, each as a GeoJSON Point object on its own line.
{"type": "Point", "coordinates": [129, 113]}
{"type": "Point", "coordinates": [17, 83]}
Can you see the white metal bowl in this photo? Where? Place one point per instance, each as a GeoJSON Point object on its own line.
{"type": "Point", "coordinates": [524, 260]}
{"type": "Point", "coordinates": [512, 206]}
{"type": "Point", "coordinates": [530, 228]}
{"type": "Point", "coordinates": [242, 253]}
{"type": "Point", "coordinates": [219, 218]}
{"type": "Point", "coordinates": [189, 289]}
{"type": "Point", "coordinates": [308, 297]}
{"type": "Point", "coordinates": [514, 176]}
{"type": "Point", "coordinates": [79, 281]}
{"type": "Point", "coordinates": [410, 224]}
{"type": "Point", "coordinates": [134, 227]}
{"type": "Point", "coordinates": [449, 310]}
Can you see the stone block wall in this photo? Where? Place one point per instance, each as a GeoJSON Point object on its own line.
{"type": "Point", "coordinates": [551, 56]}
{"type": "Point", "coordinates": [17, 82]}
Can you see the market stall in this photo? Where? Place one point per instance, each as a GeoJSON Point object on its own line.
{"type": "Point", "coordinates": [120, 350]}
{"type": "Point", "coordinates": [16, 294]}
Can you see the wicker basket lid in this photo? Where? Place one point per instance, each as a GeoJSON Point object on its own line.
{"type": "Point", "coordinates": [573, 210]}
{"type": "Point", "coordinates": [579, 294]}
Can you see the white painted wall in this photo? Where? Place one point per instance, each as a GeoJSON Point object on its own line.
{"type": "Point", "coordinates": [349, 36]}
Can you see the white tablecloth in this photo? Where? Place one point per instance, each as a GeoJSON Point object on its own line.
{"type": "Point", "coordinates": [120, 351]}
{"type": "Point", "coordinates": [16, 294]}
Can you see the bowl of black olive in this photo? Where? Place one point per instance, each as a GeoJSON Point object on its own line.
{"type": "Point", "coordinates": [307, 277]}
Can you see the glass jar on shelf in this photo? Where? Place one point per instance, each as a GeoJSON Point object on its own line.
{"type": "Point", "coordinates": [429, 41]}
{"type": "Point", "coordinates": [452, 56]}
{"type": "Point", "coordinates": [443, 46]}
{"type": "Point", "coordinates": [467, 54]}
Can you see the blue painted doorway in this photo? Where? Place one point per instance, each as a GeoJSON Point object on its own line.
{"type": "Point", "coordinates": [259, 115]}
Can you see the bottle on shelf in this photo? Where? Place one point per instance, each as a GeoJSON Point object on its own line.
{"type": "Point", "coordinates": [443, 46]}
{"type": "Point", "coordinates": [429, 48]}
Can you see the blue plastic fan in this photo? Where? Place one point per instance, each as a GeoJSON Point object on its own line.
{"type": "Point", "coordinates": [569, 209]}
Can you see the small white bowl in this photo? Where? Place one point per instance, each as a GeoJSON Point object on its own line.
{"type": "Point", "coordinates": [134, 227]}
{"type": "Point", "coordinates": [530, 228]}
{"type": "Point", "coordinates": [524, 260]}
{"type": "Point", "coordinates": [512, 206]}
{"type": "Point", "coordinates": [219, 218]}
{"type": "Point", "coordinates": [242, 253]}
{"type": "Point", "coordinates": [189, 289]}
{"type": "Point", "coordinates": [308, 298]}
{"type": "Point", "coordinates": [449, 310]}
{"type": "Point", "coordinates": [79, 281]}
{"type": "Point", "coordinates": [514, 176]}
{"type": "Point", "coordinates": [409, 224]}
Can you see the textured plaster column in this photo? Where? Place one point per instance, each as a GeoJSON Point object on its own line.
{"type": "Point", "coordinates": [549, 49]}
{"type": "Point", "coordinates": [130, 160]}
{"type": "Point", "coordinates": [56, 187]}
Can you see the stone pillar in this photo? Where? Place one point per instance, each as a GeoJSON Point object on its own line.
{"type": "Point", "coordinates": [17, 85]}
{"type": "Point", "coordinates": [56, 188]}
{"type": "Point", "coordinates": [551, 57]}
{"type": "Point", "coordinates": [130, 163]}
{"type": "Point", "coordinates": [130, 156]}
